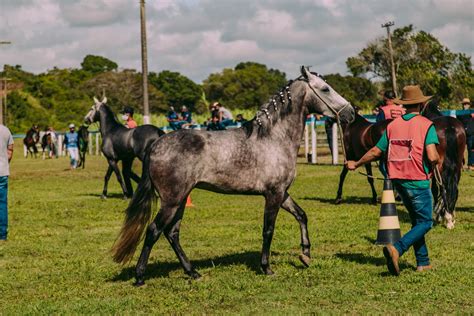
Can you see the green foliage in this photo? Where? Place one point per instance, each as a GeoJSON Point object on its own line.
{"type": "Point", "coordinates": [248, 85]}
{"type": "Point", "coordinates": [57, 259]}
{"type": "Point", "coordinates": [419, 59]}
{"type": "Point", "coordinates": [124, 88]}
{"type": "Point", "coordinates": [358, 91]}
{"type": "Point", "coordinates": [97, 64]}
{"type": "Point", "coordinates": [178, 90]}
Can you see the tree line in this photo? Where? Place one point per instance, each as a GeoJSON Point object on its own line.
{"type": "Point", "coordinates": [60, 96]}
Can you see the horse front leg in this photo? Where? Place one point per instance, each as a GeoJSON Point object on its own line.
{"type": "Point", "coordinates": [116, 170]}
{"type": "Point", "coordinates": [294, 209]}
{"type": "Point", "coordinates": [342, 177]}
{"type": "Point", "coordinates": [370, 179]}
{"type": "Point", "coordinates": [272, 206]}
{"type": "Point", "coordinates": [106, 182]}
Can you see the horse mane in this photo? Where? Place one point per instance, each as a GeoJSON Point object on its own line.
{"type": "Point", "coordinates": [277, 108]}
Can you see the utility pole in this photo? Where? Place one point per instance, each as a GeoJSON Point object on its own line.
{"type": "Point", "coordinates": [3, 98]}
{"type": "Point", "coordinates": [146, 109]}
{"type": "Point", "coordinates": [390, 51]}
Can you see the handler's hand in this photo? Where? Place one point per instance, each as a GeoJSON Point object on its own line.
{"type": "Point", "coordinates": [351, 165]}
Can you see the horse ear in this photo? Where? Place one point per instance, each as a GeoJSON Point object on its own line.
{"type": "Point", "coordinates": [95, 100]}
{"type": "Point", "coordinates": [104, 100]}
{"type": "Point", "coordinates": [304, 72]}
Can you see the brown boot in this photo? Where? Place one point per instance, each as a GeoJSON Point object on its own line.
{"type": "Point", "coordinates": [391, 254]}
{"type": "Point", "coordinates": [424, 268]}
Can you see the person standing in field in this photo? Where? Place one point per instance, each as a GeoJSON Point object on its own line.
{"type": "Point", "coordinates": [71, 141]}
{"type": "Point", "coordinates": [410, 143]}
{"type": "Point", "coordinates": [127, 116]}
{"type": "Point", "coordinates": [389, 110]}
{"type": "Point", "coordinates": [468, 122]}
{"type": "Point", "coordinates": [6, 154]}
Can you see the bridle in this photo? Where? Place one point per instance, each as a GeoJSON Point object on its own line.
{"type": "Point", "coordinates": [336, 114]}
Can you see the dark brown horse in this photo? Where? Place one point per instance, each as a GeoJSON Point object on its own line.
{"type": "Point", "coordinates": [452, 144]}
{"type": "Point", "coordinates": [31, 139]}
{"type": "Point", "coordinates": [47, 143]}
{"type": "Point", "coordinates": [359, 137]}
{"type": "Point", "coordinates": [83, 144]}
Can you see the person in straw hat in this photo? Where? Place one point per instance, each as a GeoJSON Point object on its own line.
{"type": "Point", "coordinates": [406, 141]}
{"type": "Point", "coordinates": [468, 122]}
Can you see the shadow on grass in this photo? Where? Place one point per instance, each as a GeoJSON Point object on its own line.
{"type": "Point", "coordinates": [347, 200]}
{"type": "Point", "coordinates": [162, 269]}
{"type": "Point", "coordinates": [465, 209]}
{"type": "Point", "coordinates": [366, 259]}
{"type": "Point", "coordinates": [109, 195]}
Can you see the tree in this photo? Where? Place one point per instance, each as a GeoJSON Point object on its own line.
{"type": "Point", "coordinates": [124, 88]}
{"type": "Point", "coordinates": [358, 91]}
{"type": "Point", "coordinates": [248, 85]}
{"type": "Point", "coordinates": [419, 59]}
{"type": "Point", "coordinates": [177, 89]}
{"type": "Point", "coordinates": [98, 64]}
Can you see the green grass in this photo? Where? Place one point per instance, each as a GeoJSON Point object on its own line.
{"type": "Point", "coordinates": [57, 259]}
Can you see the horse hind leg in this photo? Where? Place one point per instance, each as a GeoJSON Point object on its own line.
{"type": "Point", "coordinates": [294, 209]}
{"type": "Point", "coordinates": [162, 220]}
{"type": "Point", "coordinates": [172, 234]}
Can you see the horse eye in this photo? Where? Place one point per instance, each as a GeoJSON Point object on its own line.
{"type": "Point", "coordinates": [325, 89]}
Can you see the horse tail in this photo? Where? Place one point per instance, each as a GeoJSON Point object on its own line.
{"type": "Point", "coordinates": [137, 216]}
{"type": "Point", "coordinates": [450, 173]}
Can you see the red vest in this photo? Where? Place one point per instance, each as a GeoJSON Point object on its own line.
{"type": "Point", "coordinates": [406, 145]}
{"type": "Point", "coordinates": [131, 124]}
{"type": "Point", "coordinates": [392, 111]}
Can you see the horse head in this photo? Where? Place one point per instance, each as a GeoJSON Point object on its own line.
{"type": "Point", "coordinates": [321, 98]}
{"type": "Point", "coordinates": [431, 109]}
{"type": "Point", "coordinates": [94, 113]}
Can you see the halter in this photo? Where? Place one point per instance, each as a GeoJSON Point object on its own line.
{"type": "Point", "coordinates": [336, 114]}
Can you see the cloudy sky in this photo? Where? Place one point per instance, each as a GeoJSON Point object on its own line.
{"type": "Point", "coordinates": [199, 37]}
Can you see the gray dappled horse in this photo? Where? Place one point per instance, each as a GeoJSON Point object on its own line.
{"type": "Point", "coordinates": [120, 143]}
{"type": "Point", "coordinates": [258, 159]}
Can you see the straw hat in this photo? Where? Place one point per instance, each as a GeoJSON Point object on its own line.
{"type": "Point", "coordinates": [466, 101]}
{"type": "Point", "coordinates": [412, 95]}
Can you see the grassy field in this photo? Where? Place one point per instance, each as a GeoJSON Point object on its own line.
{"type": "Point", "coordinates": [57, 258]}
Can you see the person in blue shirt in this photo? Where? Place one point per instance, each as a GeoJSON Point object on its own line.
{"type": "Point", "coordinates": [173, 119]}
{"type": "Point", "coordinates": [71, 142]}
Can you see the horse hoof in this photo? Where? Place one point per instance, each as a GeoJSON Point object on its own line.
{"type": "Point", "coordinates": [267, 271]}
{"type": "Point", "coordinates": [103, 197]}
{"type": "Point", "coordinates": [305, 260]}
{"type": "Point", "coordinates": [194, 274]}
{"type": "Point", "coordinates": [139, 283]}
{"type": "Point", "coordinates": [450, 225]}
{"type": "Point", "coordinates": [338, 201]}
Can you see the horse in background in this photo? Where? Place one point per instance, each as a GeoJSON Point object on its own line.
{"type": "Point", "coordinates": [31, 139]}
{"type": "Point", "coordinates": [360, 136]}
{"type": "Point", "coordinates": [48, 142]}
{"type": "Point", "coordinates": [120, 143]}
{"type": "Point", "coordinates": [258, 158]}
{"type": "Point", "coordinates": [452, 144]}
{"type": "Point", "coordinates": [83, 140]}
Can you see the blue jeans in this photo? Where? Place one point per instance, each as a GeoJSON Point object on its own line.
{"type": "Point", "coordinates": [3, 207]}
{"type": "Point", "coordinates": [224, 123]}
{"type": "Point", "coordinates": [470, 150]}
{"type": "Point", "coordinates": [419, 203]}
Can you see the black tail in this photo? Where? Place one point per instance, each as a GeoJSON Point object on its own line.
{"type": "Point", "coordinates": [137, 216]}
{"type": "Point", "coordinates": [450, 168]}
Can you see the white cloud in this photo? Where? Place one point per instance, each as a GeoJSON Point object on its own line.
{"type": "Point", "coordinates": [198, 37]}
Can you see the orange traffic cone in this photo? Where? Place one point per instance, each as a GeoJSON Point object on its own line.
{"type": "Point", "coordinates": [189, 203]}
{"type": "Point", "coordinates": [389, 226]}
